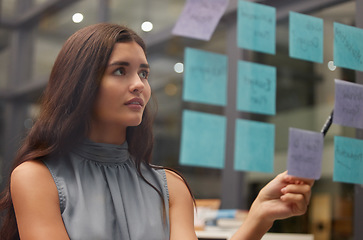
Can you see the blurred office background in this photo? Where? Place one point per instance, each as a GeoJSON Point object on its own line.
{"type": "Point", "coordinates": [33, 31]}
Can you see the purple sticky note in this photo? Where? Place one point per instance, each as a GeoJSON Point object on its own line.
{"type": "Point", "coordinates": [348, 109]}
{"type": "Point", "coordinates": [200, 18]}
{"type": "Point", "coordinates": [305, 153]}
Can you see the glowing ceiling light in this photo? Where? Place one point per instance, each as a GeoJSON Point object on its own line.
{"type": "Point", "coordinates": [331, 66]}
{"type": "Point", "coordinates": [179, 67]}
{"type": "Point", "coordinates": [147, 26]}
{"type": "Point", "coordinates": [77, 17]}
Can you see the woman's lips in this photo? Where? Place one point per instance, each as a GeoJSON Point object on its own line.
{"type": "Point", "coordinates": [135, 103]}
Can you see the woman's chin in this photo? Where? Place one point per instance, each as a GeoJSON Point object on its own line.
{"type": "Point", "coordinates": [135, 123]}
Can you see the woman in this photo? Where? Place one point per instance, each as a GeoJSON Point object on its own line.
{"type": "Point", "coordinates": [84, 169]}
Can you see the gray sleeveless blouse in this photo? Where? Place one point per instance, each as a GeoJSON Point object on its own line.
{"type": "Point", "coordinates": [102, 196]}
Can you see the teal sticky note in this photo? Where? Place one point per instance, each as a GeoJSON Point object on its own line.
{"type": "Point", "coordinates": [306, 37]}
{"type": "Point", "coordinates": [254, 146]}
{"type": "Point", "coordinates": [348, 160]}
{"type": "Point", "coordinates": [348, 47]}
{"type": "Point", "coordinates": [256, 27]}
{"type": "Point", "coordinates": [205, 77]}
{"type": "Point", "coordinates": [256, 88]}
{"type": "Point", "coordinates": [203, 139]}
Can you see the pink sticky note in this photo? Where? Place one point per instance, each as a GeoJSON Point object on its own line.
{"type": "Point", "coordinates": [200, 18]}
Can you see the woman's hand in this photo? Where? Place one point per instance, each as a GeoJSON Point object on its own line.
{"type": "Point", "coordinates": [285, 196]}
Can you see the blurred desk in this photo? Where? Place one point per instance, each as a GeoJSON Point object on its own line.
{"type": "Point", "coordinates": [226, 235]}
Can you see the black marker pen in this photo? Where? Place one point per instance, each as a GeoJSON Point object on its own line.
{"type": "Point", "coordinates": [327, 124]}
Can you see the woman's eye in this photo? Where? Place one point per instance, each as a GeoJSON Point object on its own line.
{"type": "Point", "coordinates": [119, 72]}
{"type": "Point", "coordinates": [144, 74]}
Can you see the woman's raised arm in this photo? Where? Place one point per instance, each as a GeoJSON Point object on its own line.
{"type": "Point", "coordinates": [285, 196]}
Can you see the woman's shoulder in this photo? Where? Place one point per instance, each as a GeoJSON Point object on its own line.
{"type": "Point", "coordinates": [180, 207]}
{"type": "Point", "coordinates": [36, 203]}
{"type": "Point", "coordinates": [31, 177]}
{"type": "Point", "coordinates": [30, 170]}
{"type": "Point", "coordinates": [178, 189]}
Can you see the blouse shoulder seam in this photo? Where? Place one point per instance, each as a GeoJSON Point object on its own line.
{"type": "Point", "coordinates": [61, 195]}
{"type": "Point", "coordinates": [165, 183]}
{"type": "Point", "coordinates": [161, 171]}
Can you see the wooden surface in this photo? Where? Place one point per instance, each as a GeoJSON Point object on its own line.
{"type": "Point", "coordinates": [220, 234]}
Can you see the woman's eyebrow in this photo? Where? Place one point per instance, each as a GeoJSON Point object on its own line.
{"type": "Point", "coordinates": [144, 65]}
{"type": "Point", "coordinates": [118, 63]}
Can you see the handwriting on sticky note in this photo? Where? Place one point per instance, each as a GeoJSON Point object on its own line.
{"type": "Point", "coordinates": [305, 153]}
{"type": "Point", "coordinates": [348, 49]}
{"type": "Point", "coordinates": [203, 139]}
{"type": "Point", "coordinates": [348, 109]}
{"type": "Point", "coordinates": [348, 160]}
{"type": "Point", "coordinates": [306, 37]}
{"type": "Point", "coordinates": [256, 88]}
{"type": "Point", "coordinates": [200, 18]}
{"type": "Point", "coordinates": [249, 135]}
{"type": "Point", "coordinates": [256, 27]}
{"type": "Point", "coordinates": [205, 77]}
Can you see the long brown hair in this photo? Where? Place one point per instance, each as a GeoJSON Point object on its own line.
{"type": "Point", "coordinates": [67, 103]}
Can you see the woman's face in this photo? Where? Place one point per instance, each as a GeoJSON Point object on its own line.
{"type": "Point", "coordinates": [124, 90]}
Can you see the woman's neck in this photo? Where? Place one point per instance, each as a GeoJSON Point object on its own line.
{"type": "Point", "coordinates": [107, 134]}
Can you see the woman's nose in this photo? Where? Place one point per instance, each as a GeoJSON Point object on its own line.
{"type": "Point", "coordinates": [137, 84]}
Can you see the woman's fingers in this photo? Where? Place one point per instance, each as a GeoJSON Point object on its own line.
{"type": "Point", "coordinates": [297, 203]}
{"type": "Point", "coordinates": [299, 189]}
{"type": "Point", "coordinates": [297, 196]}
{"type": "Point", "coordinates": [296, 188]}
{"type": "Point", "coordinates": [295, 180]}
